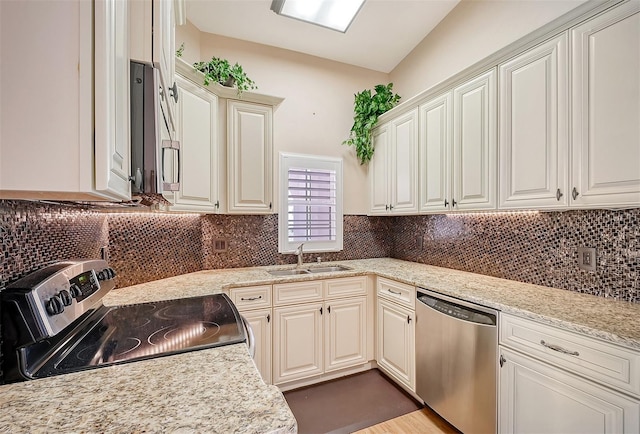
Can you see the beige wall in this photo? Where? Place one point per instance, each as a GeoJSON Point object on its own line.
{"type": "Point", "coordinates": [473, 30]}
{"type": "Point", "coordinates": [317, 112]}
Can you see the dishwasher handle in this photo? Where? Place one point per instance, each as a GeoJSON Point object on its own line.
{"type": "Point", "coordinates": [457, 310]}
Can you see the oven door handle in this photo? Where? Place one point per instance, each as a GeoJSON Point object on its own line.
{"type": "Point", "coordinates": [251, 341]}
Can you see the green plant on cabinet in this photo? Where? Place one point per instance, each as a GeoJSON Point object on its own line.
{"type": "Point", "coordinates": [366, 110]}
{"type": "Point", "coordinates": [221, 71]}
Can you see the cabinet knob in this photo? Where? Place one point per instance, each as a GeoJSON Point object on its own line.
{"type": "Point", "coordinates": [174, 92]}
{"type": "Point", "coordinates": [574, 193]}
{"type": "Point", "coordinates": [558, 195]}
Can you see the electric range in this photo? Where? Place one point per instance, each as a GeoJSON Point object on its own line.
{"type": "Point", "coordinates": [54, 322]}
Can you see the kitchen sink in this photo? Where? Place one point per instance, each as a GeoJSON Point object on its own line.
{"type": "Point", "coordinates": [297, 271]}
{"type": "Point", "coordinates": [287, 272]}
{"type": "Point", "coordinates": [328, 269]}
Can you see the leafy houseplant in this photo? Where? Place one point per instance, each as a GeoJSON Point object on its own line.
{"type": "Point", "coordinates": [220, 71]}
{"type": "Point", "coordinates": [367, 108]}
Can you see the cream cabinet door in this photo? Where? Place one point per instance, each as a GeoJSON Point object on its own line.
{"type": "Point", "coordinates": [379, 173]}
{"type": "Point", "coordinates": [537, 398]}
{"type": "Point", "coordinates": [260, 322]}
{"type": "Point", "coordinates": [474, 144]}
{"type": "Point", "coordinates": [435, 154]}
{"type": "Point", "coordinates": [396, 342]}
{"type": "Point", "coordinates": [533, 118]}
{"type": "Point", "coordinates": [345, 327]}
{"type": "Point", "coordinates": [606, 109]}
{"type": "Point", "coordinates": [404, 164]}
{"type": "Point", "coordinates": [250, 158]}
{"type": "Point", "coordinates": [164, 52]}
{"type": "Point", "coordinates": [197, 132]}
{"type": "Point", "coordinates": [298, 342]}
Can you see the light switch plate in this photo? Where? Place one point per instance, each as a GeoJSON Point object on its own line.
{"type": "Point", "coordinates": [587, 258]}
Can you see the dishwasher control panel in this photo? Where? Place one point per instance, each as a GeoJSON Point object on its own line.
{"type": "Point", "coordinates": [457, 311]}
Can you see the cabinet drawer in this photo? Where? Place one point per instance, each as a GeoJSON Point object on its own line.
{"type": "Point", "coordinates": [599, 361]}
{"type": "Point", "coordinates": [346, 286]}
{"type": "Point", "coordinates": [251, 297]}
{"type": "Point", "coordinates": [298, 292]}
{"type": "Point", "coordinates": [399, 292]}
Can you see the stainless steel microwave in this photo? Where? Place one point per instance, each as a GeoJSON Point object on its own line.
{"type": "Point", "coordinates": [151, 138]}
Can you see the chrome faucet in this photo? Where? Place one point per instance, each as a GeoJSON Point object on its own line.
{"type": "Point", "coordinates": [299, 253]}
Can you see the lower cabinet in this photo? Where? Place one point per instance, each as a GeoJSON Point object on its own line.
{"type": "Point", "coordinates": [538, 398]}
{"type": "Point", "coordinates": [396, 342]}
{"type": "Point", "coordinates": [321, 336]}
{"type": "Point", "coordinates": [261, 324]}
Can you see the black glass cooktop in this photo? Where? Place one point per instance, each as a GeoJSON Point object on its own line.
{"type": "Point", "coordinates": [135, 332]}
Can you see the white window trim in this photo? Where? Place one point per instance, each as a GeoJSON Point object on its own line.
{"type": "Point", "coordinates": [288, 160]}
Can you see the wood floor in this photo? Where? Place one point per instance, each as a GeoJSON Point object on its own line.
{"type": "Point", "coordinates": [422, 421]}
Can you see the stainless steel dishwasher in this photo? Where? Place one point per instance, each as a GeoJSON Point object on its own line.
{"type": "Point", "coordinates": [456, 360]}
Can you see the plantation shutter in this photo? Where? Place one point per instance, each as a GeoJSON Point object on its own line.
{"type": "Point", "coordinates": [311, 199]}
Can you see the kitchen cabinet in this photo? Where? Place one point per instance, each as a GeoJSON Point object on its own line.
{"type": "Point", "coordinates": [394, 168]}
{"type": "Point", "coordinates": [68, 140]}
{"type": "Point", "coordinates": [436, 132]}
{"type": "Point", "coordinates": [197, 132]}
{"type": "Point", "coordinates": [152, 27]}
{"type": "Point", "coordinates": [396, 331]}
{"type": "Point", "coordinates": [474, 144]}
{"type": "Point", "coordinates": [249, 158]}
{"type": "Point", "coordinates": [254, 303]}
{"type": "Point", "coordinates": [458, 148]}
{"type": "Point", "coordinates": [533, 118]}
{"type": "Point", "coordinates": [556, 381]}
{"type": "Point", "coordinates": [605, 101]}
{"type": "Point", "coordinates": [320, 327]}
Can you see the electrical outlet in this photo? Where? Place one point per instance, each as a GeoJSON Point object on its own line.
{"type": "Point", "coordinates": [220, 245]}
{"type": "Point", "coordinates": [104, 253]}
{"type": "Point", "coordinates": [419, 242]}
{"type": "Point", "coordinates": [587, 258]}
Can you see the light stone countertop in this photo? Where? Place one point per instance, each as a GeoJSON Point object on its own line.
{"type": "Point", "coordinates": [214, 391]}
{"type": "Point", "coordinates": [610, 320]}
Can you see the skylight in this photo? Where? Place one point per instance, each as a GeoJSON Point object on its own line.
{"type": "Point", "coordinates": [333, 14]}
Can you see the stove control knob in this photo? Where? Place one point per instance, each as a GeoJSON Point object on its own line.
{"type": "Point", "coordinates": [75, 290]}
{"type": "Point", "coordinates": [54, 305]}
{"type": "Point", "coordinates": [111, 272]}
{"type": "Point", "coordinates": [101, 275]}
{"type": "Point", "coordinates": [65, 297]}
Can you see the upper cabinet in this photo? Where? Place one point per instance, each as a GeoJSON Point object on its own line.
{"type": "Point", "coordinates": [65, 128]}
{"type": "Point", "coordinates": [474, 144]}
{"type": "Point", "coordinates": [605, 169]}
{"type": "Point", "coordinates": [394, 167]}
{"type": "Point", "coordinates": [197, 132]}
{"type": "Point", "coordinates": [533, 122]}
{"type": "Point", "coordinates": [249, 158]}
{"type": "Point", "coordinates": [458, 148]}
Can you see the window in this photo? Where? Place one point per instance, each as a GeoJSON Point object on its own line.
{"type": "Point", "coordinates": [310, 203]}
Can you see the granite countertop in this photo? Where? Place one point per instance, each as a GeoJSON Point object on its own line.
{"type": "Point", "coordinates": [610, 320]}
{"type": "Point", "coordinates": [215, 391]}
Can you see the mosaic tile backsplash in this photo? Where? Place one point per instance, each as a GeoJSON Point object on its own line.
{"type": "Point", "coordinates": [539, 248]}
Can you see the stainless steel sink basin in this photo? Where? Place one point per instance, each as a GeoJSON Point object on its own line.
{"type": "Point", "coordinates": [287, 272]}
{"type": "Point", "coordinates": [297, 271]}
{"type": "Point", "coordinates": [328, 269]}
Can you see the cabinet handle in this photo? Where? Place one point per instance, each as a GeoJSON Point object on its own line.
{"type": "Point", "coordinates": [446, 203]}
{"type": "Point", "coordinates": [453, 202]}
{"type": "Point", "coordinates": [390, 207]}
{"type": "Point", "coordinates": [270, 205]}
{"type": "Point", "coordinates": [386, 207]}
{"type": "Point", "coordinates": [217, 204]}
{"type": "Point", "coordinates": [328, 309]}
{"type": "Point", "coordinates": [174, 92]}
{"type": "Point", "coordinates": [251, 298]}
{"type": "Point", "coordinates": [393, 292]}
{"type": "Point", "coordinates": [320, 311]}
{"type": "Point", "coordinates": [268, 317]}
{"type": "Point", "coordinates": [408, 319]}
{"type": "Point", "coordinates": [558, 195]}
{"type": "Point", "coordinates": [574, 193]}
{"type": "Point", "coordinates": [502, 360]}
{"type": "Point", "coordinates": [559, 349]}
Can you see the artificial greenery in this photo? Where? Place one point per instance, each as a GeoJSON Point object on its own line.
{"type": "Point", "coordinates": [366, 109]}
{"type": "Point", "coordinates": [220, 71]}
{"type": "Point", "coordinates": [180, 50]}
